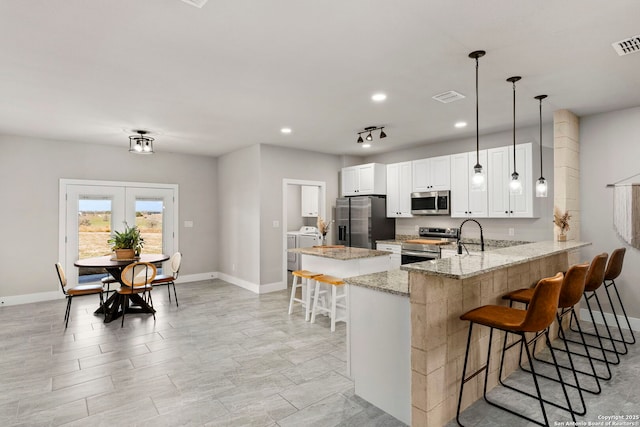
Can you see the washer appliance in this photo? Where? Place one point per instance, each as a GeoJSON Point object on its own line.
{"type": "Point", "coordinates": [306, 237]}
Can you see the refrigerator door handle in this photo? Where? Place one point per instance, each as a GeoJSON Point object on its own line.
{"type": "Point", "coordinates": [342, 232]}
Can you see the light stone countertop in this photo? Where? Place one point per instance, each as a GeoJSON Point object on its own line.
{"type": "Point", "coordinates": [342, 254]}
{"type": "Point", "coordinates": [476, 263]}
{"type": "Point", "coordinates": [392, 282]}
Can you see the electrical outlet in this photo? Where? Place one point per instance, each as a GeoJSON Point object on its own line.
{"type": "Point", "coordinates": [276, 224]}
{"type": "Point", "coordinates": [233, 267]}
{"type": "Point", "coordinates": [512, 231]}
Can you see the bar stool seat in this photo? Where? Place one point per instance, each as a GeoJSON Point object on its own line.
{"type": "Point", "coordinates": [300, 278]}
{"type": "Point", "coordinates": [335, 283]}
{"type": "Point", "coordinates": [537, 318]}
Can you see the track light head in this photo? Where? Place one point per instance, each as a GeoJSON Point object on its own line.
{"type": "Point", "coordinates": [360, 140]}
{"type": "Point", "coordinates": [382, 134]}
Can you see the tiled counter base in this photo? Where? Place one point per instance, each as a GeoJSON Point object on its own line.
{"type": "Point", "coordinates": [438, 336]}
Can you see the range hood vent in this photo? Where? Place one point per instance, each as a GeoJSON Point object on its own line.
{"type": "Point", "coordinates": [627, 46]}
{"type": "Point", "coordinates": [196, 3]}
{"type": "Point", "coordinates": [448, 96]}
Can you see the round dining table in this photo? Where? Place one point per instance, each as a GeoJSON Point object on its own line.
{"type": "Point", "coordinates": [114, 267]}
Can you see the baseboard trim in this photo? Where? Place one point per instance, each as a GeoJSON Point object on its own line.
{"type": "Point", "coordinates": [597, 316]}
{"type": "Point", "coordinates": [29, 298]}
{"type": "Point", "coordinates": [197, 277]}
{"type": "Point", "coordinates": [250, 286]}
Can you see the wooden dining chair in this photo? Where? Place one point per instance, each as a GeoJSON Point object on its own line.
{"type": "Point", "coordinates": [170, 280]}
{"type": "Point", "coordinates": [76, 291]}
{"type": "Point", "coordinates": [137, 278]}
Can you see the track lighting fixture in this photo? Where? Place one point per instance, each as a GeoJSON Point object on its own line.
{"type": "Point", "coordinates": [541, 184]}
{"type": "Point", "coordinates": [369, 136]}
{"type": "Point", "coordinates": [478, 182]}
{"type": "Point", "coordinates": [515, 186]}
{"type": "Point", "coordinates": [141, 143]}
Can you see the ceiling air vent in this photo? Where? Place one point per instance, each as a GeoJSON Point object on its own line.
{"type": "Point", "coordinates": [627, 46]}
{"type": "Point", "coordinates": [448, 96]}
{"type": "Point", "coordinates": [196, 3]}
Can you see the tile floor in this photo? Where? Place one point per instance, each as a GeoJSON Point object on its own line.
{"type": "Point", "coordinates": [225, 357]}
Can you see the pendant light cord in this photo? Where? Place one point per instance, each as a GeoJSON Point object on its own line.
{"type": "Point", "coordinates": [541, 138]}
{"type": "Point", "coordinates": [477, 119]}
{"type": "Point", "coordinates": [514, 127]}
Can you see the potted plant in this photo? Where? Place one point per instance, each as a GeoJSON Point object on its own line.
{"type": "Point", "coordinates": [126, 244]}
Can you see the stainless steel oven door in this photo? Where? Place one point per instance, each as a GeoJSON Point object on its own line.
{"type": "Point", "coordinates": [409, 257]}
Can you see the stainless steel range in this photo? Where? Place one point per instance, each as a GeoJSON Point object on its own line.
{"type": "Point", "coordinates": [428, 246]}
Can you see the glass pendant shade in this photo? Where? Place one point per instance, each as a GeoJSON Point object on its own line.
{"type": "Point", "coordinates": [515, 185]}
{"type": "Point", "coordinates": [478, 181]}
{"type": "Point", "coordinates": [541, 187]}
{"type": "Point", "coordinates": [141, 143]}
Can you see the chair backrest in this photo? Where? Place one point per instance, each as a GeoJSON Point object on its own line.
{"type": "Point", "coordinates": [614, 266]}
{"type": "Point", "coordinates": [61, 277]}
{"type": "Point", "coordinates": [595, 275]}
{"type": "Point", "coordinates": [573, 285]}
{"type": "Point", "coordinates": [138, 274]}
{"type": "Point", "coordinates": [176, 259]}
{"type": "Point", "coordinates": [544, 304]}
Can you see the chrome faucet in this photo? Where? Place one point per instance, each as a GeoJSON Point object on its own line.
{"type": "Point", "coordinates": [460, 235]}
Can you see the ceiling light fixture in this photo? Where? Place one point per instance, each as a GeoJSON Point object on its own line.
{"type": "Point", "coordinates": [541, 184]}
{"type": "Point", "coordinates": [460, 125]}
{"type": "Point", "coordinates": [285, 130]}
{"type": "Point", "coordinates": [515, 186]}
{"type": "Point", "coordinates": [367, 145]}
{"type": "Point", "coordinates": [141, 143]}
{"type": "Point", "coordinates": [378, 97]}
{"type": "Point", "coordinates": [369, 136]}
{"type": "Point", "coordinates": [478, 182]}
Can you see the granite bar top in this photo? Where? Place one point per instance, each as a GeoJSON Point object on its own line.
{"type": "Point", "coordinates": [393, 282]}
{"type": "Point", "coordinates": [342, 254]}
{"type": "Point", "coordinates": [471, 243]}
{"type": "Point", "coordinates": [469, 265]}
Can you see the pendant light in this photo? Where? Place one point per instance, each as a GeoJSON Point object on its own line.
{"type": "Point", "coordinates": [515, 186]}
{"type": "Point", "coordinates": [478, 181]}
{"type": "Point", "coordinates": [541, 184]}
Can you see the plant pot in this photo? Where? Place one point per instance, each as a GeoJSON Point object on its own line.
{"type": "Point", "coordinates": [125, 254]}
{"type": "Point", "coordinates": [562, 237]}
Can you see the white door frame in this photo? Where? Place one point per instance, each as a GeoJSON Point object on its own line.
{"type": "Point", "coordinates": [322, 211]}
{"type": "Point", "coordinates": [62, 208]}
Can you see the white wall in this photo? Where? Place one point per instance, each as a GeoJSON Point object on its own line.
{"type": "Point", "coordinates": [527, 229]}
{"type": "Point", "coordinates": [609, 152]}
{"type": "Point", "coordinates": [30, 171]}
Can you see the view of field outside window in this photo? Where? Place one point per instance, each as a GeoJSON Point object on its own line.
{"type": "Point", "coordinates": [94, 227]}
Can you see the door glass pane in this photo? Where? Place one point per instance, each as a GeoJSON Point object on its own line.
{"type": "Point", "coordinates": [94, 229]}
{"type": "Point", "coordinates": [150, 221]}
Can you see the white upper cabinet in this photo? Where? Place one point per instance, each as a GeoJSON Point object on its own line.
{"type": "Point", "coordinates": [432, 174]}
{"type": "Point", "coordinates": [309, 199]}
{"type": "Point", "coordinates": [364, 180]}
{"type": "Point", "coordinates": [399, 190]}
{"type": "Point", "coordinates": [464, 202]}
{"type": "Point", "coordinates": [502, 203]}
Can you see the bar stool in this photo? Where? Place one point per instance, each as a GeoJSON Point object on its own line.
{"type": "Point", "coordinates": [595, 278]}
{"type": "Point", "coordinates": [537, 318]}
{"type": "Point", "coordinates": [306, 277]}
{"type": "Point", "coordinates": [570, 294]}
{"type": "Point", "coordinates": [614, 268]}
{"type": "Point", "coordinates": [335, 283]}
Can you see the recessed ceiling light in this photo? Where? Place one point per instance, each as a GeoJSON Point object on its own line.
{"type": "Point", "coordinates": [378, 97]}
{"type": "Point", "coordinates": [366, 145]}
{"type": "Point", "coordinates": [285, 130]}
{"type": "Point", "coordinates": [460, 124]}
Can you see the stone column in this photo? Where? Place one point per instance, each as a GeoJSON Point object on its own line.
{"type": "Point", "coordinates": [566, 175]}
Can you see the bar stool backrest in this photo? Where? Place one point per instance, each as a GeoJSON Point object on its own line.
{"type": "Point", "coordinates": [614, 267]}
{"type": "Point", "coordinates": [595, 275]}
{"type": "Point", "coordinates": [573, 285]}
{"type": "Point", "coordinates": [544, 304]}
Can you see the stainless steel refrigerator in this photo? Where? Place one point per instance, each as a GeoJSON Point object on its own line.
{"type": "Point", "coordinates": [361, 221]}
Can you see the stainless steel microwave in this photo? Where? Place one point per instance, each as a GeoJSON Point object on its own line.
{"type": "Point", "coordinates": [431, 203]}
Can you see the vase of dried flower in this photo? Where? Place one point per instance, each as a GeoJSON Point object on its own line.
{"type": "Point", "coordinates": [562, 237]}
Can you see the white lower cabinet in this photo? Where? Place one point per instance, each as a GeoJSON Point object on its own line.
{"type": "Point", "coordinates": [396, 257]}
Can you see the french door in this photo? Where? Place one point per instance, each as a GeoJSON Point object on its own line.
{"type": "Point", "coordinates": [91, 210]}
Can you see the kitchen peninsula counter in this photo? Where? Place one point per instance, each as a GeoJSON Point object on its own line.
{"type": "Point", "coordinates": [340, 253]}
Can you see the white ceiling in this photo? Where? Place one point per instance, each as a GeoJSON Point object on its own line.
{"type": "Point", "coordinates": [229, 75]}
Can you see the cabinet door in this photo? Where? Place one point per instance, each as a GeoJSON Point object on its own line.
{"type": "Point", "coordinates": [366, 179]}
{"type": "Point", "coordinates": [477, 199]}
{"type": "Point", "coordinates": [522, 205]}
{"type": "Point", "coordinates": [350, 181]}
{"type": "Point", "coordinates": [309, 200]}
{"type": "Point", "coordinates": [420, 179]}
{"type": "Point", "coordinates": [459, 185]}
{"type": "Point", "coordinates": [440, 173]}
{"type": "Point", "coordinates": [498, 177]}
{"type": "Point", "coordinates": [399, 190]}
